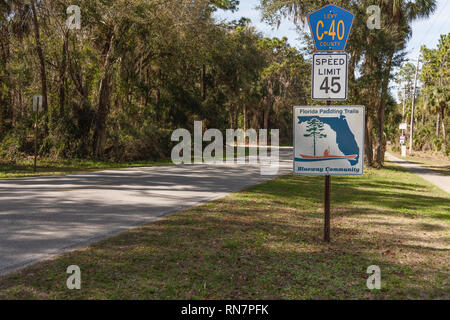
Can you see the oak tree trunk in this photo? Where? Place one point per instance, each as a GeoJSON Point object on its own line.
{"type": "Point", "coordinates": [40, 53]}
{"type": "Point", "coordinates": [368, 140]}
{"type": "Point", "coordinates": [380, 146]}
{"type": "Point", "coordinates": [104, 99]}
{"type": "Point", "coordinates": [269, 101]}
{"type": "Point", "coordinates": [438, 123]}
{"type": "Point", "coordinates": [444, 132]}
{"type": "Point", "coordinates": [204, 90]}
{"type": "Point", "coordinates": [63, 77]}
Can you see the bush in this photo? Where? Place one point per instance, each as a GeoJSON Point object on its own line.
{"type": "Point", "coordinates": [11, 149]}
{"type": "Point", "coordinates": [146, 144]}
{"type": "Point", "coordinates": [437, 143]}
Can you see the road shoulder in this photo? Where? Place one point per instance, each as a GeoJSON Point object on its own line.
{"type": "Point", "coordinates": [439, 180]}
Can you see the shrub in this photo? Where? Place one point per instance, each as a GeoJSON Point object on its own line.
{"type": "Point", "coordinates": [11, 149]}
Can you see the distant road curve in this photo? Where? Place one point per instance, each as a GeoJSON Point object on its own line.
{"type": "Point", "coordinates": [439, 180]}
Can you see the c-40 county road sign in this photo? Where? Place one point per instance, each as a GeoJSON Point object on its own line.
{"type": "Point", "coordinates": [331, 27]}
{"type": "Point", "coordinates": [329, 140]}
{"type": "Point", "coordinates": [330, 76]}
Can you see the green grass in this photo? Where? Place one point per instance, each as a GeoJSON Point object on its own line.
{"type": "Point", "coordinates": [266, 243]}
{"type": "Point", "coordinates": [25, 168]}
{"type": "Point", "coordinates": [46, 167]}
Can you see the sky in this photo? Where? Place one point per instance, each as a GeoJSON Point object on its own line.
{"type": "Point", "coordinates": [425, 32]}
{"type": "Point", "coordinates": [247, 8]}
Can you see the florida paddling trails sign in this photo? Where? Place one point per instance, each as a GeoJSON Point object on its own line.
{"type": "Point", "coordinates": [329, 140]}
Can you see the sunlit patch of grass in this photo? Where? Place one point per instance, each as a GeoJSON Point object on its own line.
{"type": "Point", "coordinates": [45, 167]}
{"type": "Point", "coordinates": [25, 168]}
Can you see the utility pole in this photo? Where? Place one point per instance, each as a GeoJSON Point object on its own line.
{"type": "Point", "coordinates": [404, 104]}
{"type": "Point", "coordinates": [411, 139]}
{"type": "Point", "coordinates": [403, 127]}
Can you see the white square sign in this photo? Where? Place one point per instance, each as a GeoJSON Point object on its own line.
{"type": "Point", "coordinates": [329, 140]}
{"type": "Point", "coordinates": [37, 103]}
{"type": "Point", "coordinates": [330, 76]}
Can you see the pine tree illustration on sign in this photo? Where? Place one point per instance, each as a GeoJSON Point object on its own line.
{"type": "Point", "coordinates": [315, 127]}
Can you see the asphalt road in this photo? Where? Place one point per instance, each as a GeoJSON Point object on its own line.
{"type": "Point", "coordinates": [46, 216]}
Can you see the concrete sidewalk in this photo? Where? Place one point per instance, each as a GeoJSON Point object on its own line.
{"type": "Point", "coordinates": [439, 180]}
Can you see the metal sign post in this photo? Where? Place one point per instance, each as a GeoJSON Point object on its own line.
{"type": "Point", "coordinates": [35, 143]}
{"type": "Point", "coordinates": [327, 205]}
{"type": "Point", "coordinates": [329, 140]}
{"type": "Point", "coordinates": [327, 208]}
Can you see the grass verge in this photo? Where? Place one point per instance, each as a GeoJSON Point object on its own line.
{"type": "Point", "coordinates": [46, 167]}
{"type": "Point", "coordinates": [266, 243]}
{"type": "Point", "coordinates": [24, 168]}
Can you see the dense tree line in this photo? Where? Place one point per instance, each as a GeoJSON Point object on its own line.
{"type": "Point", "coordinates": [134, 72]}
{"type": "Point", "coordinates": [138, 69]}
{"type": "Point", "coordinates": [432, 115]}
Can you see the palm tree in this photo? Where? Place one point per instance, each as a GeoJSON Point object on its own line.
{"type": "Point", "coordinates": [397, 18]}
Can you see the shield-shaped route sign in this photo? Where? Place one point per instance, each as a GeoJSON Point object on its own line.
{"type": "Point", "coordinates": [331, 27]}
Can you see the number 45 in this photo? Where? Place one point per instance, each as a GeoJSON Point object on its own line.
{"type": "Point", "coordinates": [335, 85]}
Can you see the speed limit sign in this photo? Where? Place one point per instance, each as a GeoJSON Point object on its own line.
{"type": "Point", "coordinates": [330, 76]}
